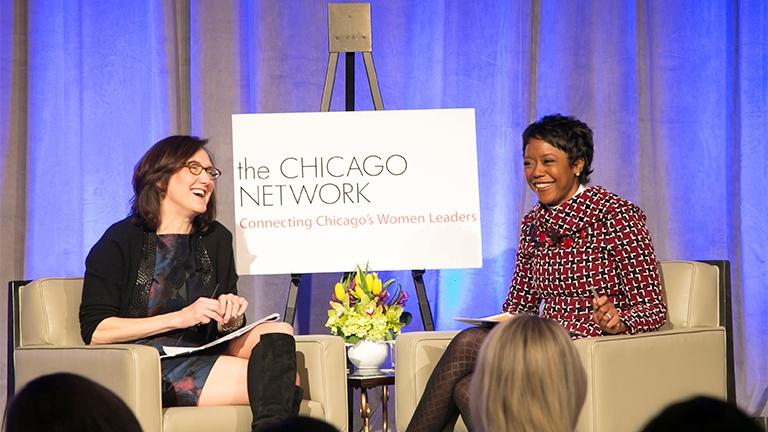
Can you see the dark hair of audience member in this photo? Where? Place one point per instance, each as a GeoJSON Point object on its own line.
{"type": "Point", "coordinates": [701, 414]}
{"type": "Point", "coordinates": [300, 424]}
{"type": "Point", "coordinates": [64, 402]}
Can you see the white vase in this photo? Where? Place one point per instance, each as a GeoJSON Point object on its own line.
{"type": "Point", "coordinates": [368, 356]}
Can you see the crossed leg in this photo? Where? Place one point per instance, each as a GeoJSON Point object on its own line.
{"type": "Point", "coordinates": [446, 394]}
{"type": "Point", "coordinates": [227, 384]}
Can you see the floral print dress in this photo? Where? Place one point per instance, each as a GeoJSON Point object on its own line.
{"type": "Point", "coordinates": [175, 285]}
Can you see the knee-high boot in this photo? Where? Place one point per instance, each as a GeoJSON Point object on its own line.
{"type": "Point", "coordinates": [272, 391]}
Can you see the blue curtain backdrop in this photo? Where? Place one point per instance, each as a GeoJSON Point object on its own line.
{"type": "Point", "coordinates": [676, 92]}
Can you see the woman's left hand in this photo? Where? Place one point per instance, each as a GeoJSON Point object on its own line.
{"type": "Point", "coordinates": [607, 316]}
{"type": "Point", "coordinates": [231, 307]}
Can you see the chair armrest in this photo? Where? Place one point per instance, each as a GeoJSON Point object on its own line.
{"type": "Point", "coordinates": [131, 371]}
{"type": "Point", "coordinates": [322, 367]}
{"type": "Point", "coordinates": [632, 377]}
{"type": "Point", "coordinates": [416, 355]}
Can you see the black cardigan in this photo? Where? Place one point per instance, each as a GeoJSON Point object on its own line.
{"type": "Point", "coordinates": [112, 266]}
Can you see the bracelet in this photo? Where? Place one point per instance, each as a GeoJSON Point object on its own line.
{"type": "Point", "coordinates": [233, 325]}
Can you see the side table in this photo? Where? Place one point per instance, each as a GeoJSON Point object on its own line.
{"type": "Point", "coordinates": [365, 382]}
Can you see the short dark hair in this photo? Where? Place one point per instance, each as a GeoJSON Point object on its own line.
{"type": "Point", "coordinates": [68, 403]}
{"type": "Point", "coordinates": [701, 413]}
{"type": "Point", "coordinates": [568, 134]}
{"type": "Point", "coordinates": [151, 175]}
{"type": "Point", "coordinates": [300, 424]}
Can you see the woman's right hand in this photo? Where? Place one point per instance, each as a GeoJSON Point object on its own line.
{"type": "Point", "coordinates": [202, 311]}
{"type": "Point", "coordinates": [115, 329]}
{"type": "Point", "coordinates": [607, 316]}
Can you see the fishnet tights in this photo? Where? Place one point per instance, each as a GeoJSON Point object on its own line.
{"type": "Point", "coordinates": [447, 392]}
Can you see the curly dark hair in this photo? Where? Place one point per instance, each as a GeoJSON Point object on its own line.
{"type": "Point", "coordinates": [567, 133]}
{"type": "Point", "coordinates": [151, 175]}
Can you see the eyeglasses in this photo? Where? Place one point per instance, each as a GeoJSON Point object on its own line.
{"type": "Point", "coordinates": [196, 168]}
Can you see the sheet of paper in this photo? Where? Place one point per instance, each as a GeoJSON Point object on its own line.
{"type": "Point", "coordinates": [488, 321]}
{"type": "Point", "coordinates": [172, 351]}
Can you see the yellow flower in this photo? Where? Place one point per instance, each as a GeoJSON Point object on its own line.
{"type": "Point", "coordinates": [340, 292]}
{"type": "Point", "coordinates": [360, 294]}
{"type": "Point", "coordinates": [363, 308]}
{"type": "Point", "coordinates": [375, 286]}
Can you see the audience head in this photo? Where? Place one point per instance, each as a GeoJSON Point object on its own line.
{"type": "Point", "coordinates": [65, 402]}
{"type": "Point", "coordinates": [568, 134]}
{"type": "Point", "coordinates": [153, 172]}
{"type": "Point", "coordinates": [701, 414]}
{"type": "Point", "coordinates": [300, 424]}
{"type": "Point", "coordinates": [528, 376]}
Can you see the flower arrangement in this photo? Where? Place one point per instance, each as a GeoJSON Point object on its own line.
{"type": "Point", "coordinates": [363, 309]}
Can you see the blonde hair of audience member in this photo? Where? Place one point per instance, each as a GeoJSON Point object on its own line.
{"type": "Point", "coordinates": [528, 377]}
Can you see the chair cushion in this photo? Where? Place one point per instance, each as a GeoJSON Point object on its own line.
{"type": "Point", "coordinates": [693, 302]}
{"type": "Point", "coordinates": [49, 312]}
{"type": "Point", "coordinates": [225, 418]}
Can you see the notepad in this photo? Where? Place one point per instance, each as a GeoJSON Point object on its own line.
{"type": "Point", "coordinates": [488, 321]}
{"type": "Point", "coordinates": [173, 351]}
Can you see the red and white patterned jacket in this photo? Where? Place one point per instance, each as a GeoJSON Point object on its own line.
{"type": "Point", "coordinates": [596, 239]}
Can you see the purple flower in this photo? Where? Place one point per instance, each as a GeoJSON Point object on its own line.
{"type": "Point", "coordinates": [401, 298]}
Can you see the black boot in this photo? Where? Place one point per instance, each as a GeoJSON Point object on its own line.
{"type": "Point", "coordinates": [298, 395]}
{"type": "Point", "coordinates": [272, 391]}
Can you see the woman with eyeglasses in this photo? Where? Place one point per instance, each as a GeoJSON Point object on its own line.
{"type": "Point", "coordinates": [165, 276]}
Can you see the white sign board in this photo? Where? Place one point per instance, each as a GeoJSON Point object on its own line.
{"type": "Point", "coordinates": [324, 192]}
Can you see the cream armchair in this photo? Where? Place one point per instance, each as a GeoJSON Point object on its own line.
{"type": "Point", "coordinates": [630, 377]}
{"type": "Point", "coordinates": [47, 340]}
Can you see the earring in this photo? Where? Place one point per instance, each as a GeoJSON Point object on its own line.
{"type": "Point", "coordinates": [578, 174]}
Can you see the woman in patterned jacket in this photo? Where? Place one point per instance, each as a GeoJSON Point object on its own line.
{"type": "Point", "coordinates": [585, 259]}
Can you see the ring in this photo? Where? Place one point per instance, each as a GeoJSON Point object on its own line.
{"type": "Point", "coordinates": [608, 314]}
